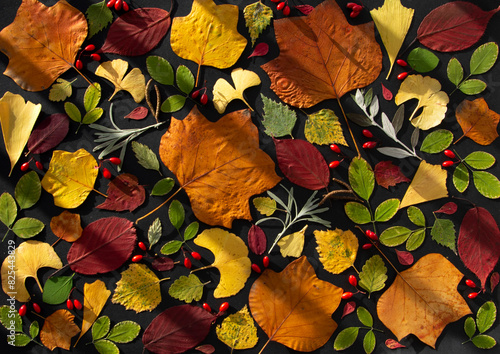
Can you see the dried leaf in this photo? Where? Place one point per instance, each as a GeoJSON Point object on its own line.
{"type": "Point", "coordinates": [257, 17]}
{"type": "Point", "coordinates": [449, 208]}
{"type": "Point", "coordinates": [292, 245]}
{"type": "Point", "coordinates": [494, 280]}
{"type": "Point", "coordinates": [477, 121]}
{"type": "Point", "coordinates": [162, 264]}
{"type": "Point", "coordinates": [58, 329]}
{"type": "Point", "coordinates": [61, 90]}
{"type": "Point", "coordinates": [187, 289]}
{"type": "Point", "coordinates": [114, 71]}
{"type": "Point", "coordinates": [393, 344]}
{"type": "Point", "coordinates": [337, 249]}
{"type": "Point", "coordinates": [124, 193]}
{"type": "Point", "coordinates": [99, 16]}
{"type": "Point", "coordinates": [387, 174]}
{"type": "Point", "coordinates": [404, 257]}
{"type": "Point", "coordinates": [305, 9]}
{"type": "Point", "coordinates": [67, 226]}
{"type": "Point", "coordinates": [323, 127]}
{"type": "Point", "coordinates": [265, 205]}
{"type": "Point", "coordinates": [443, 232]}
{"type": "Point", "coordinates": [138, 113]}
{"type": "Point", "coordinates": [348, 308]}
{"type": "Point", "coordinates": [145, 156]}
{"type": "Point", "coordinates": [95, 297]}
{"type": "Point", "coordinates": [260, 50]}
{"type": "Point", "coordinates": [49, 133]}
{"type": "Point", "coordinates": [238, 330]}
{"type": "Point", "coordinates": [224, 93]}
{"type": "Point", "coordinates": [279, 120]}
{"type": "Point", "coordinates": [257, 240]}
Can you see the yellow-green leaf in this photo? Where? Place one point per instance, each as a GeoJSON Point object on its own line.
{"type": "Point", "coordinates": [265, 205]}
{"type": "Point", "coordinates": [224, 93]}
{"type": "Point", "coordinates": [257, 17]}
{"type": "Point", "coordinates": [114, 71]}
{"type": "Point", "coordinates": [187, 288]}
{"type": "Point", "coordinates": [61, 90]}
{"type": "Point", "coordinates": [238, 330]}
{"type": "Point", "coordinates": [323, 127]}
{"type": "Point", "coordinates": [337, 249]}
{"type": "Point", "coordinates": [292, 245]}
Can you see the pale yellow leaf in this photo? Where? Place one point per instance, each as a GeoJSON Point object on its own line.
{"type": "Point", "coordinates": [95, 296]}
{"type": "Point", "coordinates": [224, 93]}
{"type": "Point", "coordinates": [238, 330]}
{"type": "Point", "coordinates": [114, 71]}
{"type": "Point", "coordinates": [265, 205]}
{"type": "Point", "coordinates": [337, 249]}
{"type": "Point", "coordinates": [292, 245]}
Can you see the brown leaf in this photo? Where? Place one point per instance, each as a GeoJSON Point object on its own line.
{"type": "Point", "coordinates": [67, 226]}
{"type": "Point", "coordinates": [477, 121]}
{"type": "Point", "coordinates": [387, 174]}
{"type": "Point", "coordinates": [58, 329]}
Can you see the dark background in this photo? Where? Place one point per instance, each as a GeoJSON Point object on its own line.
{"type": "Point", "coordinates": [453, 335]}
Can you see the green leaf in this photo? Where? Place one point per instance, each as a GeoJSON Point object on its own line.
{"type": "Point", "coordinates": [8, 209]}
{"type": "Point", "coordinates": [416, 216]}
{"type": "Point", "coordinates": [92, 115]}
{"type": "Point", "coordinates": [415, 240]}
{"type": "Point", "coordinates": [443, 232]}
{"type": "Point", "coordinates": [437, 141]}
{"type": "Point", "coordinates": [185, 79]}
{"type": "Point", "coordinates": [483, 341]}
{"type": "Point", "coordinates": [361, 177]}
{"type": "Point", "coordinates": [455, 71]}
{"type": "Point", "coordinates": [61, 90]}
{"type": "Point", "coordinates": [176, 214]}
{"type": "Point", "coordinates": [394, 236]}
{"type": "Point", "coordinates": [360, 119]}
{"type": "Point", "coordinates": [171, 247]}
{"type": "Point", "coordinates": [483, 58]}
{"type": "Point", "coordinates": [99, 16]}
{"type": "Point", "coordinates": [324, 127]}
{"type": "Point", "coordinates": [160, 70]}
{"type": "Point", "coordinates": [28, 190]}
{"type": "Point", "coordinates": [472, 86]}
{"type": "Point", "coordinates": [154, 232]}
{"type": "Point", "coordinates": [369, 342]}
{"type": "Point", "coordinates": [92, 97]}
{"type": "Point", "coordinates": [56, 290]}
{"type": "Point", "coordinates": [105, 346]}
{"type": "Point", "coordinates": [364, 316]}
{"type": "Point", "coordinates": [100, 327]}
{"type": "Point", "coordinates": [34, 329]}
{"type": "Point", "coordinates": [28, 227]}
{"type": "Point", "coordinates": [73, 112]}
{"type": "Point", "coordinates": [357, 212]}
{"type": "Point", "coordinates": [346, 338]}
{"type": "Point", "coordinates": [486, 184]}
{"type": "Point", "coordinates": [187, 289]}
{"type": "Point", "coordinates": [191, 230]}
{"type": "Point", "coordinates": [173, 103]}
{"type": "Point", "coordinates": [469, 327]}
{"type": "Point", "coordinates": [480, 160]}
{"type": "Point", "coordinates": [145, 156]}
{"type": "Point", "coordinates": [461, 178]}
{"type": "Point", "coordinates": [163, 186]}
{"type": "Point", "coordinates": [386, 210]}
{"type": "Point", "coordinates": [279, 120]}
{"type": "Point", "coordinates": [422, 60]}
{"type": "Point", "coordinates": [10, 317]}
{"type": "Point", "coordinates": [124, 332]}
{"type": "Point", "coordinates": [21, 340]}
{"type": "Point", "coordinates": [486, 316]}
{"type": "Point", "coordinates": [373, 275]}
{"type": "Point", "coordinates": [257, 17]}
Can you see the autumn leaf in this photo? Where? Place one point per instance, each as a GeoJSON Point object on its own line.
{"type": "Point", "coordinates": [138, 113]}
{"type": "Point", "coordinates": [58, 329]}
{"type": "Point", "coordinates": [323, 127]}
{"type": "Point", "coordinates": [337, 249]}
{"type": "Point", "coordinates": [224, 93]}
{"type": "Point", "coordinates": [257, 240]}
{"type": "Point", "coordinates": [114, 71]}
{"type": "Point", "coordinates": [295, 307]}
{"type": "Point", "coordinates": [278, 119]}
{"type": "Point", "coordinates": [29, 257]}
{"type": "Point", "coordinates": [95, 297]}
{"type": "Point", "coordinates": [431, 100]}
{"type": "Point", "coordinates": [124, 193]}
{"type": "Point", "coordinates": [373, 275]}
{"type": "Point", "coordinates": [292, 245]}
{"type": "Point", "coordinates": [423, 300]}
{"type": "Point", "coordinates": [42, 43]}
{"type": "Point", "coordinates": [387, 174]}
{"type": "Point", "coordinates": [257, 17]}
{"type": "Point", "coordinates": [238, 330]}
{"type": "Point", "coordinates": [265, 205]}
{"type": "Point", "coordinates": [61, 90]}
{"type": "Point", "coordinates": [322, 56]}
{"type": "Point", "coordinates": [260, 50]}
{"type": "Point", "coordinates": [187, 289]}
{"type": "Point", "coordinates": [67, 226]}
{"type": "Point", "coordinates": [477, 121]}
{"type": "Point", "coordinates": [48, 134]}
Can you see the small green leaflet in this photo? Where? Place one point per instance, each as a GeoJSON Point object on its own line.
{"type": "Point", "coordinates": [56, 290]}
{"type": "Point", "coordinates": [395, 236]}
{"type": "Point", "coordinates": [386, 210]}
{"type": "Point", "coordinates": [8, 209]}
{"type": "Point", "coordinates": [416, 216]}
{"type": "Point", "coordinates": [346, 338]}
{"type": "Point", "coordinates": [358, 213]}
{"type": "Point", "coordinates": [373, 275]}
{"type": "Point", "coordinates": [257, 17]}
{"type": "Point", "coordinates": [279, 120]}
{"type": "Point", "coordinates": [104, 340]}
{"type": "Point", "coordinates": [323, 128]}
{"type": "Point", "coordinates": [461, 177]}
{"type": "Point", "coordinates": [480, 160]}
{"type": "Point", "coordinates": [163, 187]}
{"type": "Point", "coordinates": [99, 16]}
{"type": "Point", "coordinates": [176, 214]}
{"type": "Point", "coordinates": [415, 240]}
{"type": "Point", "coordinates": [483, 341]}
{"type": "Point", "coordinates": [483, 58]}
{"type": "Point", "coordinates": [369, 342]}
{"type": "Point", "coordinates": [455, 71]}
{"type": "Point", "coordinates": [104, 346]}
{"type": "Point", "coordinates": [364, 316]}
{"type": "Point", "coordinates": [171, 247]}
{"type": "Point", "coordinates": [173, 103]}
{"type": "Point", "coordinates": [469, 327]}
{"type": "Point", "coordinates": [472, 86]}
{"type": "Point", "coordinates": [124, 332]}
{"type": "Point", "coordinates": [443, 232]}
{"type": "Point", "coordinates": [6, 317]}
{"type": "Point", "coordinates": [485, 318]}
{"type": "Point", "coordinates": [154, 232]}
{"type": "Point", "coordinates": [92, 97]}
{"type": "Point", "coordinates": [361, 177]}
{"type": "Point", "coordinates": [422, 60]}
{"type": "Point", "coordinates": [187, 289]}
{"type": "Point", "coordinates": [100, 327]}
{"type": "Point", "coordinates": [145, 156]}
{"type": "Point", "coordinates": [160, 70]}
{"type": "Point", "coordinates": [28, 227]}
{"type": "Point", "coordinates": [34, 329]}
{"type": "Point", "coordinates": [437, 141]}
{"type": "Point", "coordinates": [90, 101]}
{"type": "Point", "coordinates": [191, 231]}
{"type": "Point", "coordinates": [28, 190]}
{"type": "Point", "coordinates": [61, 90]}
{"type": "Point", "coordinates": [486, 184]}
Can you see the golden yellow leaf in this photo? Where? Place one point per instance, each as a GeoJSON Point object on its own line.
{"type": "Point", "coordinates": [67, 226]}
{"type": "Point", "coordinates": [337, 249]}
{"type": "Point", "coordinates": [393, 21]}
{"type": "Point", "coordinates": [18, 119]}
{"type": "Point", "coordinates": [429, 183]}
{"type": "Point", "coordinates": [292, 245]}
{"type": "Point", "coordinates": [323, 127]}
{"type": "Point", "coordinates": [114, 71]}
{"type": "Point", "coordinates": [231, 259]}
{"type": "Point", "coordinates": [238, 330]}
{"type": "Point", "coordinates": [224, 93]}
{"type": "Point", "coordinates": [95, 296]}
{"type": "Point", "coordinates": [58, 329]}
{"type": "Point", "coordinates": [425, 301]}
{"type": "Point", "coordinates": [70, 177]}
{"type": "Point", "coordinates": [265, 205]}
{"type": "Point", "coordinates": [28, 257]}
{"type": "Point", "coordinates": [431, 100]}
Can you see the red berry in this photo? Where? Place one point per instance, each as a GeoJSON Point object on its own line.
{"type": "Point", "coordinates": [37, 307]}
{"type": "Point", "coordinates": [187, 263]}
{"type": "Point", "coordinates": [280, 6]}
{"type": "Point", "coordinates": [367, 246]}
{"type": "Point", "coordinates": [89, 48]}
{"type": "Point", "coordinates": [106, 174]}
{"type": "Point", "coordinates": [25, 166]}
{"type": "Point", "coordinates": [204, 99]}
{"type": "Point", "coordinates": [347, 295]}
{"type": "Point", "coordinates": [79, 64]}
{"type": "Point", "coordinates": [95, 57]}
{"type": "Point", "coordinates": [401, 62]}
{"type": "Point", "coordinates": [357, 8]}
{"type": "Point", "coordinates": [265, 261]}
{"type": "Point", "coordinates": [350, 5]}
{"type": "Point", "coordinates": [207, 307]}
{"type": "Point", "coordinates": [195, 94]}
{"type": "Point", "coordinates": [118, 5]}
{"type": "Point", "coordinates": [369, 145]}
{"type": "Point", "coordinates": [256, 268]}
{"type": "Point", "coordinates": [196, 255]}
{"type": "Point", "coordinates": [286, 10]}
{"type": "Point", "coordinates": [334, 164]}
{"type": "Point", "coordinates": [78, 304]}
{"type": "Point", "coordinates": [224, 307]}
{"type": "Point", "coordinates": [371, 235]}
{"type": "Point", "coordinates": [353, 280]}
{"type": "Point", "coordinates": [367, 133]}
{"type": "Point", "coordinates": [137, 258]}
{"type": "Point", "coordinates": [447, 163]}
{"type": "Point", "coordinates": [23, 309]}
{"type": "Point", "coordinates": [335, 148]}
{"type": "Point", "coordinates": [125, 6]}
{"type": "Point", "coordinates": [69, 304]}
{"type": "Point", "coordinates": [111, 3]}
{"type": "Point", "coordinates": [115, 160]}
{"type": "Point", "coordinates": [354, 14]}
{"type": "Point", "coordinates": [39, 165]}
{"type": "Point", "coordinates": [402, 76]}
{"type": "Point", "coordinates": [449, 153]}
{"type": "Point", "coordinates": [470, 283]}
{"type": "Point", "coordinates": [142, 246]}
{"type": "Point", "coordinates": [472, 295]}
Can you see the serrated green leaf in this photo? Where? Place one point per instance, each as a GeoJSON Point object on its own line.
{"type": "Point", "coordinates": [486, 316]}
{"type": "Point", "coordinates": [483, 341]}
{"type": "Point", "coordinates": [369, 342]}
{"type": "Point", "coordinates": [437, 141]}
{"type": "Point", "coordinates": [99, 16]}
{"type": "Point", "coordinates": [92, 115]}
{"type": "Point", "coordinates": [386, 210]}
{"type": "Point", "coordinates": [469, 327]}
{"type": "Point", "coordinates": [472, 86]}
{"type": "Point", "coordinates": [100, 327]}
{"type": "Point", "coordinates": [416, 216]}
{"type": "Point", "coordinates": [34, 329]}
{"type": "Point", "coordinates": [238, 330]}
{"type": "Point", "coordinates": [455, 71]}
{"type": "Point", "coordinates": [171, 247]}
{"type": "Point", "coordinates": [176, 214]}
{"type": "Point", "coordinates": [160, 70]}
{"type": "Point", "coordinates": [443, 232]}
{"type": "Point", "coordinates": [415, 240]}
{"type": "Point", "coordinates": [154, 232]}
{"type": "Point", "coordinates": [145, 156]}
{"type": "Point", "coordinates": [163, 187]}
{"type": "Point", "coordinates": [422, 60]}
{"type": "Point", "coordinates": [394, 236]}
{"type": "Point", "coordinates": [483, 58]}
{"type": "Point", "coordinates": [73, 112]}
{"type": "Point", "coordinates": [257, 17]}
{"type": "Point", "coordinates": [486, 184]}
{"type": "Point", "coordinates": [346, 338]}
{"type": "Point", "coordinates": [187, 289]}
{"type": "Point", "coordinates": [8, 209]}
{"type": "Point", "coordinates": [279, 120]}
{"type": "Point", "coordinates": [173, 103]}
{"type": "Point", "coordinates": [480, 160]}
{"type": "Point", "coordinates": [191, 230]}
{"type": "Point", "coordinates": [323, 128]}
{"type": "Point", "coordinates": [92, 97]}
{"type": "Point", "coordinates": [373, 275]}
{"type": "Point", "coordinates": [105, 346]}
{"type": "Point", "coordinates": [357, 212]}
{"type": "Point", "coordinates": [61, 90]}
{"type": "Point", "coordinates": [7, 316]}
{"type": "Point", "coordinates": [28, 190]}
{"type": "Point", "coordinates": [21, 340]}
{"type": "Point", "coordinates": [124, 332]}
{"type": "Point", "coordinates": [56, 290]}
{"type": "Point", "coordinates": [184, 79]}
{"type": "Point", "coordinates": [461, 178]}
{"type": "Point", "coordinates": [27, 227]}
{"type": "Point", "coordinates": [361, 177]}
{"type": "Point", "coordinates": [364, 316]}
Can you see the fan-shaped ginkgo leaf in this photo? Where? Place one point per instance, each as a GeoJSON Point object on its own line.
{"type": "Point", "coordinates": [337, 249]}
{"type": "Point", "coordinates": [58, 329]}
{"type": "Point", "coordinates": [225, 93]}
{"type": "Point", "coordinates": [114, 71]}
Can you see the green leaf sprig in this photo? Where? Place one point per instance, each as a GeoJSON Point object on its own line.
{"type": "Point", "coordinates": [105, 339]}
{"type": "Point", "coordinates": [24, 227]}
{"type": "Point", "coordinates": [397, 235]}
{"type": "Point", "coordinates": [176, 215]}
{"type": "Point", "coordinates": [12, 320]}
{"type": "Point", "coordinates": [485, 318]}
{"type": "Point", "coordinates": [90, 101]}
{"type": "Point", "coordinates": [348, 336]}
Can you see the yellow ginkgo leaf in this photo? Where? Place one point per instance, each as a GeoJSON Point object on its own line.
{"type": "Point", "coordinates": [292, 245]}
{"type": "Point", "coordinates": [238, 330]}
{"type": "Point", "coordinates": [18, 119]}
{"type": "Point", "coordinates": [432, 101]}
{"type": "Point", "coordinates": [265, 205]}
{"type": "Point", "coordinates": [114, 71]}
{"type": "Point", "coordinates": [70, 177]}
{"type": "Point", "coordinates": [224, 93]}
{"type": "Point", "coordinates": [337, 249]}
{"type": "Point", "coordinates": [95, 296]}
{"type": "Point", "coordinates": [231, 259]}
{"type": "Point", "coordinates": [429, 183]}
{"type": "Point", "coordinates": [393, 21]}
{"type": "Point", "coordinates": [28, 257]}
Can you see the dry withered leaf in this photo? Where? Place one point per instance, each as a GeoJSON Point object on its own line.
{"type": "Point", "coordinates": [477, 121]}
{"type": "Point", "coordinates": [58, 329]}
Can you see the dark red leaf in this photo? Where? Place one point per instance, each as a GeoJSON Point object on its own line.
{"type": "Point", "coordinates": [393, 344]}
{"type": "Point", "coordinates": [405, 258]}
{"type": "Point", "coordinates": [257, 240]}
{"type": "Point", "coordinates": [386, 93]}
{"type": "Point", "coordinates": [104, 246]}
{"type": "Point", "coordinates": [206, 349]}
{"type": "Point", "coordinates": [137, 32]}
{"type": "Point", "coordinates": [177, 329]}
{"type": "Point", "coordinates": [348, 308]}
{"type": "Point", "coordinates": [494, 280]}
{"type": "Point", "coordinates": [479, 243]}
{"type": "Point", "coordinates": [138, 113]}
{"type": "Point", "coordinates": [454, 26]}
{"type": "Point", "coordinates": [162, 264]}
{"type": "Point", "coordinates": [49, 133]}
{"type": "Point", "coordinates": [305, 9]}
{"type": "Point", "coordinates": [387, 174]}
{"type": "Point", "coordinates": [302, 163]}
{"type": "Point", "coordinates": [449, 208]}
{"type": "Point", "coordinates": [124, 193]}
{"type": "Point", "coordinates": [260, 50]}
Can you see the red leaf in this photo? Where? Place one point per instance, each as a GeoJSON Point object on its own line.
{"type": "Point", "coordinates": [137, 32]}
{"type": "Point", "coordinates": [393, 344]}
{"type": "Point", "coordinates": [260, 50]}
{"type": "Point", "coordinates": [177, 329]}
{"type": "Point", "coordinates": [305, 9]}
{"type": "Point", "coordinates": [124, 193]}
{"type": "Point", "coordinates": [162, 264]}
{"type": "Point", "coordinates": [49, 133]}
{"type": "Point", "coordinates": [257, 240]}
{"type": "Point", "coordinates": [387, 174]}
{"type": "Point", "coordinates": [479, 243]}
{"type": "Point", "coordinates": [348, 308]}
{"type": "Point", "coordinates": [405, 258]}
{"type": "Point", "coordinates": [302, 163]}
{"type": "Point", "coordinates": [386, 93]}
{"type": "Point", "coordinates": [449, 208]}
{"type": "Point", "coordinates": [138, 113]}
{"type": "Point", "coordinates": [454, 26]}
{"type": "Point", "coordinates": [206, 349]}
{"type": "Point", "coordinates": [104, 246]}
{"type": "Point", "coordinates": [494, 280]}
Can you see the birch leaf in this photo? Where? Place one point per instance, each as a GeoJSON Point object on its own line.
{"type": "Point", "coordinates": [95, 297]}
{"type": "Point", "coordinates": [373, 275]}
{"type": "Point", "coordinates": [114, 71]}
{"type": "Point", "coordinates": [279, 120]}
{"type": "Point", "coordinates": [58, 329]}
{"type": "Point", "coordinates": [99, 16]}
{"type": "Point", "coordinates": [61, 90]}
{"type": "Point", "coordinates": [337, 249]}
{"type": "Point", "coordinates": [224, 93]}
{"type": "Point", "coordinates": [323, 127]}
{"type": "Point", "coordinates": [187, 289]}
{"type": "Point", "coordinates": [257, 17]}
{"type": "Point", "coordinates": [265, 205]}
{"type": "Point", "coordinates": [292, 245]}
{"type": "Point", "coordinates": [238, 330]}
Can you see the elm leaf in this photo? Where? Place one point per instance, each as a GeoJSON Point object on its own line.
{"type": "Point", "coordinates": [238, 330]}
{"type": "Point", "coordinates": [145, 156]}
{"type": "Point", "coordinates": [323, 128]}
{"type": "Point", "coordinates": [361, 177]}
{"type": "Point", "coordinates": [257, 17]}
{"type": "Point", "coordinates": [99, 16]}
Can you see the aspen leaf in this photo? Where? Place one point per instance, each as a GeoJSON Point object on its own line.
{"type": "Point", "coordinates": [114, 71]}
{"type": "Point", "coordinates": [58, 329]}
{"type": "Point", "coordinates": [257, 17]}
{"type": "Point", "coordinates": [425, 301]}
{"type": "Point", "coordinates": [477, 121]}
{"type": "Point", "coordinates": [337, 249]}
{"type": "Point", "coordinates": [224, 93]}
{"type": "Point", "coordinates": [67, 226]}
{"type": "Point", "coordinates": [265, 205]}
{"type": "Point", "coordinates": [323, 127]}
{"type": "Point", "coordinates": [238, 330]}
{"type": "Point", "coordinates": [292, 245]}
{"type": "Point", "coordinates": [187, 289]}
{"type": "Point", "coordinates": [95, 297]}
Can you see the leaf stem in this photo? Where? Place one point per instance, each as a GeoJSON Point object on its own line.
{"type": "Point", "coordinates": [95, 190]}
{"type": "Point", "coordinates": [348, 125]}
{"type": "Point", "coordinates": [39, 284]}
{"type": "Point", "coordinates": [202, 268]}
{"type": "Point", "coordinates": [159, 206]}
{"type": "Point", "coordinates": [4, 236]}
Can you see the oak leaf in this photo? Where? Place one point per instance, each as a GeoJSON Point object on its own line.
{"type": "Point", "coordinates": [477, 121]}
{"type": "Point", "coordinates": [114, 71]}
{"type": "Point", "coordinates": [42, 43]}
{"type": "Point", "coordinates": [67, 226]}
{"type": "Point", "coordinates": [337, 249]}
{"type": "Point", "coordinates": [423, 300]}
{"type": "Point", "coordinates": [219, 165]}
{"type": "Point", "coordinates": [95, 297]}
{"type": "Point", "coordinates": [322, 56]}
{"type": "Point", "coordinates": [224, 93]}
{"type": "Point", "coordinates": [58, 329]}
{"type": "Point", "coordinates": [238, 330]}
{"type": "Point", "coordinates": [387, 174]}
{"type": "Point", "coordinates": [295, 307]}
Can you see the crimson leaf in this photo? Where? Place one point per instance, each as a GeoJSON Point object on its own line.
{"type": "Point", "coordinates": [162, 264]}
{"type": "Point", "coordinates": [124, 193]}
{"type": "Point", "coordinates": [387, 174]}
{"type": "Point", "coordinates": [449, 208]}
{"type": "Point", "coordinates": [257, 240]}
{"type": "Point", "coordinates": [49, 133]}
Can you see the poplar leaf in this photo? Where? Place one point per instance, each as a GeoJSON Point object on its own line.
{"type": "Point", "coordinates": [114, 71]}
{"type": "Point", "coordinates": [58, 329]}
{"type": "Point", "coordinates": [337, 249]}
{"type": "Point", "coordinates": [145, 156]}
{"type": "Point", "coordinates": [154, 232]}
{"type": "Point", "coordinates": [95, 297]}
{"type": "Point", "coordinates": [292, 245]}
{"type": "Point", "coordinates": [238, 330]}
{"type": "Point", "coordinates": [28, 190]}
{"type": "Point", "coordinates": [67, 226]}
{"type": "Point", "coordinates": [373, 275]}
{"type": "Point", "coordinates": [279, 120]}
{"type": "Point", "coordinates": [265, 205]}
{"type": "Point", "coordinates": [323, 127]}
{"type": "Point", "coordinates": [437, 141]}
{"type": "Point", "coordinates": [99, 16]}
{"type": "Point", "coordinates": [257, 17]}
{"type": "Point", "coordinates": [61, 90]}
{"type": "Point", "coordinates": [443, 232]}
{"type": "Point", "coordinates": [187, 289]}
{"type": "Point", "coordinates": [224, 93]}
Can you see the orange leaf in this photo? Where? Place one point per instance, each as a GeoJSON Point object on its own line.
{"type": "Point", "coordinates": [478, 122]}
{"type": "Point", "coordinates": [58, 329]}
{"type": "Point", "coordinates": [295, 307]}
{"type": "Point", "coordinates": [219, 165]}
{"type": "Point", "coordinates": [67, 226]}
{"type": "Point", "coordinates": [42, 43]}
{"type": "Point", "coordinates": [423, 300]}
{"type": "Point", "coordinates": [322, 56]}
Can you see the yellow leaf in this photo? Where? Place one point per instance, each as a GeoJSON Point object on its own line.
{"type": "Point", "coordinates": [28, 257]}
{"type": "Point", "coordinates": [231, 259]}
{"type": "Point", "coordinates": [432, 101]}
{"type": "Point", "coordinates": [323, 127]}
{"type": "Point", "coordinates": [114, 71]}
{"type": "Point", "coordinates": [70, 177]}
{"type": "Point", "coordinates": [337, 249]}
{"type": "Point", "coordinates": [18, 119]}
{"type": "Point", "coordinates": [224, 93]}
{"type": "Point", "coordinates": [429, 183]}
{"type": "Point", "coordinates": [265, 205]}
{"type": "Point", "coordinates": [292, 245]}
{"type": "Point", "coordinates": [393, 21]}
{"type": "Point", "coordinates": [58, 329]}
{"type": "Point", "coordinates": [238, 330]}
{"type": "Point", "coordinates": [95, 296]}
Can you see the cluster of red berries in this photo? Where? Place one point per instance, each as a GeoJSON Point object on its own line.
{"type": "Point", "coordinates": [118, 5]}
{"type": "Point", "coordinates": [403, 64]}
{"type": "Point", "coordinates": [203, 98]}
{"type": "Point", "coordinates": [355, 9]}
{"type": "Point", "coordinates": [86, 50]}
{"type": "Point", "coordinates": [472, 285]}
{"type": "Point", "coordinates": [187, 262]}
{"type": "Point", "coordinates": [25, 166]}
{"type": "Point", "coordinates": [450, 154]}
{"type": "Point", "coordinates": [107, 173]}
{"type": "Point", "coordinates": [70, 304]}
{"type": "Point", "coordinates": [346, 295]}
{"type": "Point", "coordinates": [24, 308]}
{"type": "Point", "coordinates": [336, 149]}
{"type": "Point", "coordinates": [265, 263]}
{"type": "Point", "coordinates": [283, 6]}
{"type": "Point", "coordinates": [371, 144]}
{"type": "Point", "coordinates": [222, 308]}
{"type": "Point", "coordinates": [372, 236]}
